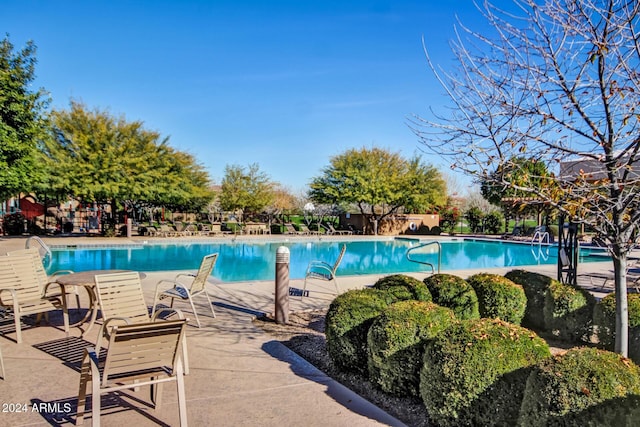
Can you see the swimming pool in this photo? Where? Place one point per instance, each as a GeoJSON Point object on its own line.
{"type": "Point", "coordinates": [255, 260]}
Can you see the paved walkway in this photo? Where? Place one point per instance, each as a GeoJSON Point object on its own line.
{"type": "Point", "coordinates": [240, 376]}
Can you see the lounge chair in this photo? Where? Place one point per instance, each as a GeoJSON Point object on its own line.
{"type": "Point", "coordinates": [292, 230]}
{"type": "Point", "coordinates": [178, 288]}
{"type": "Point", "coordinates": [122, 302]}
{"type": "Point", "coordinates": [22, 292]}
{"type": "Point", "coordinates": [323, 271]}
{"type": "Point", "coordinates": [42, 272]}
{"type": "Point", "coordinates": [305, 230]}
{"type": "Point", "coordinates": [332, 230]}
{"type": "Point", "coordinates": [138, 355]}
{"type": "Point", "coordinates": [166, 231]}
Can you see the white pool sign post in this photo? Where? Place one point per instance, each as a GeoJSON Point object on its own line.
{"type": "Point", "coordinates": [282, 285]}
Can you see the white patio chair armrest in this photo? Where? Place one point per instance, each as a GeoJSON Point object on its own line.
{"type": "Point", "coordinates": [163, 284]}
{"type": "Point", "coordinates": [318, 264]}
{"type": "Point", "coordinates": [123, 320]}
{"type": "Point", "coordinates": [105, 330]}
{"type": "Point", "coordinates": [12, 292]}
{"type": "Point", "coordinates": [90, 356]}
{"type": "Point", "coordinates": [57, 295]}
{"type": "Point", "coordinates": [315, 266]}
{"type": "Point", "coordinates": [184, 274]}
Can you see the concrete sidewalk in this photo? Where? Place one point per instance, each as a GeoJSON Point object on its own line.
{"type": "Point", "coordinates": [239, 376]}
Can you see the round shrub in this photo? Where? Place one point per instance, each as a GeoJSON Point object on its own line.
{"type": "Point", "coordinates": [604, 319]}
{"type": "Point", "coordinates": [455, 293]}
{"type": "Point", "coordinates": [396, 343]}
{"type": "Point", "coordinates": [568, 312]}
{"type": "Point", "coordinates": [347, 324]}
{"type": "Point", "coordinates": [475, 371]}
{"type": "Point", "coordinates": [404, 287]}
{"type": "Point", "coordinates": [583, 387]}
{"type": "Point", "coordinates": [499, 297]}
{"type": "Point", "coordinates": [535, 286]}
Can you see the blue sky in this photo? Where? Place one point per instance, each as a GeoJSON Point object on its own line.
{"type": "Point", "coordinates": [285, 84]}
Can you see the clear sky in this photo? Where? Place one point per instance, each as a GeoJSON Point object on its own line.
{"type": "Point", "coordinates": [285, 84]}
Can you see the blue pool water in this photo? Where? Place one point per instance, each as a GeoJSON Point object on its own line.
{"type": "Point", "coordinates": [246, 261]}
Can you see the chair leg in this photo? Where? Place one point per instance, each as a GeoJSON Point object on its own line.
{"type": "Point", "coordinates": [82, 393]}
{"type": "Point", "coordinates": [185, 356]}
{"type": "Point", "coordinates": [4, 376]}
{"type": "Point", "coordinates": [95, 402]}
{"type": "Point", "coordinates": [156, 395]}
{"type": "Point", "coordinates": [65, 317]}
{"type": "Point", "coordinates": [182, 401]}
{"type": "Point", "coordinates": [193, 308]}
{"type": "Point", "coordinates": [213, 313]}
{"type": "Point", "coordinates": [304, 288]}
{"type": "Point", "coordinates": [16, 316]}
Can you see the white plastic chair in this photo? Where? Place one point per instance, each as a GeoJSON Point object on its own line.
{"type": "Point", "coordinates": [185, 292]}
{"type": "Point", "coordinates": [323, 271]}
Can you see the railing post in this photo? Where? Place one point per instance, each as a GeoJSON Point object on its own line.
{"type": "Point", "coordinates": [282, 285]}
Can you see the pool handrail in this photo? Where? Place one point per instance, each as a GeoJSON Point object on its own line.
{"type": "Point", "coordinates": [42, 244]}
{"type": "Point", "coordinates": [433, 242]}
{"type": "Point", "coordinates": [541, 237]}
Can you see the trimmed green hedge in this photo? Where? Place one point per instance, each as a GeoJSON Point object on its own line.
{"type": "Point", "coordinates": [499, 297]}
{"type": "Point", "coordinates": [475, 371]}
{"type": "Point", "coordinates": [583, 387]}
{"type": "Point", "coordinates": [455, 293]}
{"type": "Point", "coordinates": [604, 319]}
{"type": "Point", "coordinates": [404, 287]}
{"type": "Point", "coordinates": [396, 343]}
{"type": "Point", "coordinates": [535, 287]}
{"type": "Point", "coordinates": [568, 312]}
{"type": "Point", "coordinates": [347, 324]}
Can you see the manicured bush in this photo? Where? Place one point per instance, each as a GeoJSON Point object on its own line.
{"type": "Point", "coordinates": [535, 286]}
{"type": "Point", "coordinates": [475, 371]}
{"type": "Point", "coordinates": [396, 343]}
{"type": "Point", "coordinates": [499, 297]}
{"type": "Point", "coordinates": [568, 312]}
{"type": "Point", "coordinates": [347, 324]}
{"type": "Point", "coordinates": [404, 287]}
{"type": "Point", "coordinates": [583, 387]}
{"type": "Point", "coordinates": [455, 293]}
{"type": "Point", "coordinates": [604, 319]}
{"type": "Point", "coordinates": [493, 222]}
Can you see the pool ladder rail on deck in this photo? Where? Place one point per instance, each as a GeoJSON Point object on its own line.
{"type": "Point", "coordinates": [425, 262]}
{"type": "Point", "coordinates": [42, 245]}
{"type": "Point", "coordinates": [540, 237]}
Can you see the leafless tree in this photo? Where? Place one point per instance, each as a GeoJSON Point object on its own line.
{"type": "Point", "coordinates": [557, 81]}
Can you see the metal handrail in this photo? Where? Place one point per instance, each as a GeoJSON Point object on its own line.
{"type": "Point", "coordinates": [424, 262]}
{"type": "Point", "coordinates": [542, 236]}
{"type": "Point", "coordinates": [42, 244]}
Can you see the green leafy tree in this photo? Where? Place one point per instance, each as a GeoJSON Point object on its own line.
{"type": "Point", "coordinates": [557, 81]}
{"type": "Point", "coordinates": [525, 173]}
{"type": "Point", "coordinates": [379, 183]}
{"type": "Point", "coordinates": [93, 156]}
{"type": "Point", "coordinates": [247, 190]}
{"type": "Point", "coordinates": [23, 121]}
{"type": "Point", "coordinates": [474, 216]}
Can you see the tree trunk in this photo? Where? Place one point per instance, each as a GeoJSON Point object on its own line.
{"type": "Point", "coordinates": [622, 312]}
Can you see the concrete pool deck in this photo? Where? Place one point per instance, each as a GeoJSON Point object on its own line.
{"type": "Point", "coordinates": [240, 375]}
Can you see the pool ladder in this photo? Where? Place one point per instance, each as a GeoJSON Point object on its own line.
{"type": "Point", "coordinates": [540, 237]}
{"type": "Point", "coordinates": [42, 245]}
{"type": "Point", "coordinates": [424, 262]}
